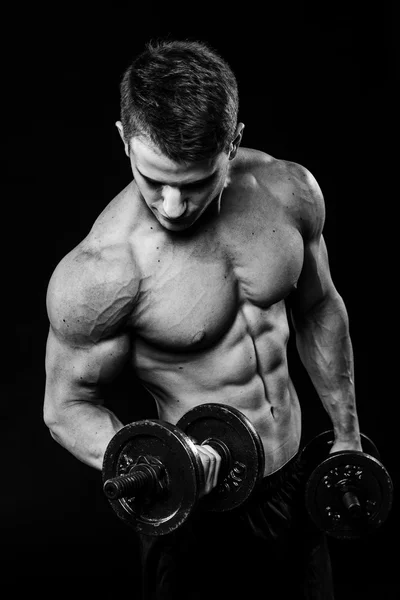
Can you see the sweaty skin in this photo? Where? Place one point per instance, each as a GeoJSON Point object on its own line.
{"type": "Point", "coordinates": [198, 308]}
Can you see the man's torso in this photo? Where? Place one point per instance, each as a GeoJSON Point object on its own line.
{"type": "Point", "coordinates": [209, 321]}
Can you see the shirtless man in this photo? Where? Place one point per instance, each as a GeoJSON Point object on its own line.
{"type": "Point", "coordinates": [185, 275]}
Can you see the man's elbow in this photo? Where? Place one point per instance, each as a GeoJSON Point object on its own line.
{"type": "Point", "coordinates": [51, 420]}
{"type": "Point", "coordinates": [327, 305]}
{"type": "Point", "coordinates": [332, 304]}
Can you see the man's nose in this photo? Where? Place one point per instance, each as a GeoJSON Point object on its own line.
{"type": "Point", "coordinates": [174, 205]}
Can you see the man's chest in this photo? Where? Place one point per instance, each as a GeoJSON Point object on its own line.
{"type": "Point", "coordinates": [191, 291]}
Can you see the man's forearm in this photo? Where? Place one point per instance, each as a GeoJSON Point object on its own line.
{"type": "Point", "coordinates": [84, 429]}
{"type": "Point", "coordinates": [325, 348]}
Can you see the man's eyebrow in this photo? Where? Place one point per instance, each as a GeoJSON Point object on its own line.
{"type": "Point", "coordinates": [197, 182]}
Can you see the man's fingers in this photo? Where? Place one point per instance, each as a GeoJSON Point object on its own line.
{"type": "Point", "coordinates": [211, 462]}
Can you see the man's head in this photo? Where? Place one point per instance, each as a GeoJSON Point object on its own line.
{"type": "Point", "coordinates": [179, 110]}
{"type": "Point", "coordinates": [183, 97]}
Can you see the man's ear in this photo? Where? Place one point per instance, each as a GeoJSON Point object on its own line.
{"type": "Point", "coordinates": [236, 142]}
{"type": "Point", "coordinates": [118, 125]}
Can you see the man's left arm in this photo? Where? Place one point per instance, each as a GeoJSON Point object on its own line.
{"type": "Point", "coordinates": [321, 323]}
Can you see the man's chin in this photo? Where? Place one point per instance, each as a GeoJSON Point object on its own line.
{"type": "Point", "coordinates": [174, 225]}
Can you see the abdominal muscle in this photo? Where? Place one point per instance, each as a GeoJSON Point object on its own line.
{"type": "Point", "coordinates": [246, 369]}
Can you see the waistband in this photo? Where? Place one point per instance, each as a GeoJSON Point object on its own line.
{"type": "Point", "coordinates": [294, 468]}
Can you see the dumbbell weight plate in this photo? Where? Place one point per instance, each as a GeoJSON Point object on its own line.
{"type": "Point", "coordinates": [362, 474]}
{"type": "Point", "coordinates": [161, 513]}
{"type": "Point", "coordinates": [233, 428]}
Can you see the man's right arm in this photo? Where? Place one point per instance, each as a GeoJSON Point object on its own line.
{"type": "Point", "coordinates": [73, 407]}
{"type": "Point", "coordinates": [89, 300]}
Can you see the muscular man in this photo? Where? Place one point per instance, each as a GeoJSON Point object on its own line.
{"type": "Point", "coordinates": [185, 275]}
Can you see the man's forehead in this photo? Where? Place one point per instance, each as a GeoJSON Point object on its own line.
{"type": "Point", "coordinates": [155, 165]}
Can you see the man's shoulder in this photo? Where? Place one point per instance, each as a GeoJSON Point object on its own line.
{"type": "Point", "coordinates": [287, 186]}
{"type": "Point", "coordinates": [93, 288]}
{"type": "Point", "coordinates": [289, 182]}
{"type": "Point", "coordinates": [269, 170]}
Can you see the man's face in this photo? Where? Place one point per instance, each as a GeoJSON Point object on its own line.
{"type": "Point", "coordinates": [177, 194]}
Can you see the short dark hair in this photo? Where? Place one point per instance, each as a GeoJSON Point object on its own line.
{"type": "Point", "coordinates": [183, 96]}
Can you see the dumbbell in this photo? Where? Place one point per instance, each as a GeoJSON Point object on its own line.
{"type": "Point", "coordinates": [152, 472]}
{"type": "Point", "coordinates": [348, 494]}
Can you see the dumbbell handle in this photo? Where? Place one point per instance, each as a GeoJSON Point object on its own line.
{"type": "Point", "coordinates": [350, 500]}
{"type": "Point", "coordinates": [141, 476]}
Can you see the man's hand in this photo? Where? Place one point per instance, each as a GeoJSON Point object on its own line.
{"type": "Point", "coordinates": [211, 462]}
{"type": "Point", "coordinates": [339, 446]}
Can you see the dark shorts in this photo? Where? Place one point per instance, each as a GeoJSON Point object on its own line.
{"type": "Point", "coordinates": [267, 548]}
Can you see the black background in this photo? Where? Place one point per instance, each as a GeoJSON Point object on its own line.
{"type": "Point", "coordinates": [318, 86]}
